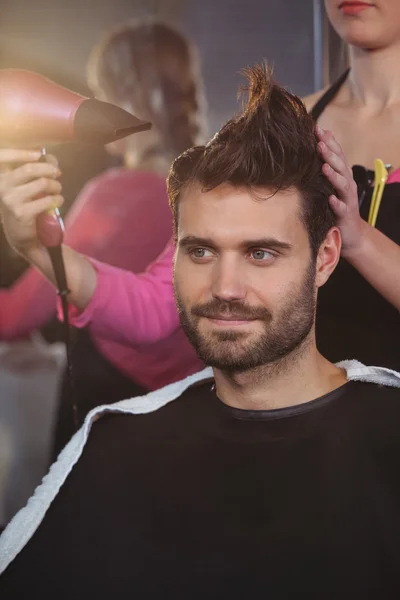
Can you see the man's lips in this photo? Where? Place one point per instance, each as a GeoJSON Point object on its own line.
{"type": "Point", "coordinates": [231, 320]}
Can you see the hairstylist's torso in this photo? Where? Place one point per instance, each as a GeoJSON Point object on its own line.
{"type": "Point", "coordinates": [354, 320]}
{"type": "Point", "coordinates": [363, 107]}
{"type": "Point", "coordinates": [363, 135]}
{"type": "Point", "coordinates": [363, 111]}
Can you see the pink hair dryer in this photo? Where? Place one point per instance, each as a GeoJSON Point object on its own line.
{"type": "Point", "coordinates": [35, 111]}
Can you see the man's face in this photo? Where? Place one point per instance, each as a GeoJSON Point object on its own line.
{"type": "Point", "coordinates": [244, 276]}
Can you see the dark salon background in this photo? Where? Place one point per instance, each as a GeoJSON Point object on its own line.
{"type": "Point", "coordinates": [54, 37]}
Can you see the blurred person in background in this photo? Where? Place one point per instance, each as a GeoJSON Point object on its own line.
{"type": "Point", "coordinates": [122, 216]}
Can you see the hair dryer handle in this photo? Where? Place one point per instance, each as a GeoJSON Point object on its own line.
{"type": "Point", "coordinates": [50, 228]}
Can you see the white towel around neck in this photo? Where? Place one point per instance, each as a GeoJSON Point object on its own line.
{"type": "Point", "coordinates": [22, 527]}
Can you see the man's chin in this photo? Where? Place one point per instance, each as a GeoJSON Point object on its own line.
{"type": "Point", "coordinates": [227, 349]}
{"type": "Point", "coordinates": [223, 335]}
{"type": "Point", "coordinates": [225, 356]}
{"type": "Point", "coordinates": [229, 365]}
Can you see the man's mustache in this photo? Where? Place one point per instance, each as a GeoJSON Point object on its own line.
{"type": "Point", "coordinates": [235, 311]}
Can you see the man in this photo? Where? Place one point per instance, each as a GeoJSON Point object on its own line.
{"type": "Point", "coordinates": [278, 477]}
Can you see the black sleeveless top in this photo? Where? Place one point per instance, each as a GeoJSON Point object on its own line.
{"type": "Point", "coordinates": [353, 319]}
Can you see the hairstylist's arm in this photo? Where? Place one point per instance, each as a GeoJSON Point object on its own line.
{"type": "Point", "coordinates": [128, 308]}
{"type": "Point", "coordinates": [19, 189]}
{"type": "Point", "coordinates": [372, 253]}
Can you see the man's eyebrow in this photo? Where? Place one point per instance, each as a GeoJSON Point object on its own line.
{"type": "Point", "coordinates": [193, 240]}
{"type": "Point", "coordinates": [268, 242]}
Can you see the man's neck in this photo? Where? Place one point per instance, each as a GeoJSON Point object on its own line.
{"type": "Point", "coordinates": [289, 382]}
{"type": "Point", "coordinates": [374, 80]}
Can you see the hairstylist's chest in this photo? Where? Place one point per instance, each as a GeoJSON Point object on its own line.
{"type": "Point", "coordinates": [364, 135]}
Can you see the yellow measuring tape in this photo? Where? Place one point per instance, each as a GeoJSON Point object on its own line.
{"type": "Point", "coordinates": [381, 176]}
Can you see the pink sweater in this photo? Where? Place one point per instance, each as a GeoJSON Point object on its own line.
{"type": "Point", "coordinates": [137, 310]}
{"type": "Point", "coordinates": [121, 217]}
{"type": "Point", "coordinates": [138, 313]}
{"type": "Point", "coordinates": [394, 177]}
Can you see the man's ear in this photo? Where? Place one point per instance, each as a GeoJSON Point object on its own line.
{"type": "Point", "coordinates": [328, 256]}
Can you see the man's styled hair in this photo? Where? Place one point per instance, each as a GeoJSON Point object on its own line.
{"type": "Point", "coordinates": [271, 144]}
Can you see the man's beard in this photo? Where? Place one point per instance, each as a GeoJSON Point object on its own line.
{"type": "Point", "coordinates": [282, 334]}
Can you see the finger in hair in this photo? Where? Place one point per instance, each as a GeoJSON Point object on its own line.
{"type": "Point", "coordinates": [329, 139]}
{"type": "Point", "coordinates": [339, 182]}
{"type": "Point", "coordinates": [337, 205]}
{"type": "Point", "coordinates": [333, 159]}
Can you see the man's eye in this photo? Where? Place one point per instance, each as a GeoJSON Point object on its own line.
{"type": "Point", "coordinates": [261, 255]}
{"type": "Point", "coordinates": [200, 253]}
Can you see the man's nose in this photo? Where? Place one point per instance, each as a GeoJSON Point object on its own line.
{"type": "Point", "coordinates": [228, 280]}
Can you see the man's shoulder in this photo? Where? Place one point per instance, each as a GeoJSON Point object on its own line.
{"type": "Point", "coordinates": [159, 398]}
{"type": "Point", "coordinates": [381, 391]}
{"type": "Point", "coordinates": [375, 410]}
{"type": "Point", "coordinates": [148, 426]}
{"type": "Point", "coordinates": [375, 403]}
{"type": "Point", "coordinates": [377, 391]}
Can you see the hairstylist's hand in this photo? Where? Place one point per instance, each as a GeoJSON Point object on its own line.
{"type": "Point", "coordinates": [345, 204]}
{"type": "Point", "coordinates": [27, 189]}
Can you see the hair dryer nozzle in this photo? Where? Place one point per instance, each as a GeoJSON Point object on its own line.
{"type": "Point", "coordinates": [99, 122]}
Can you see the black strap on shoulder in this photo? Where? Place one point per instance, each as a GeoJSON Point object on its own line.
{"type": "Point", "coordinates": [329, 95]}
